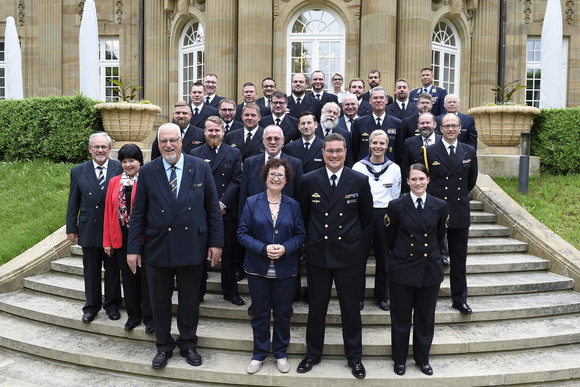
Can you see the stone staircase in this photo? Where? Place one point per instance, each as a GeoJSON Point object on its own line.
{"type": "Point", "coordinates": [525, 328]}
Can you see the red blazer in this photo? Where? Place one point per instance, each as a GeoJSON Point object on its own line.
{"type": "Point", "coordinates": [112, 230]}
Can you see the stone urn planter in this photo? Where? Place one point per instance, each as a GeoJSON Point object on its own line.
{"type": "Point", "coordinates": [502, 125]}
{"type": "Point", "coordinates": [127, 122]}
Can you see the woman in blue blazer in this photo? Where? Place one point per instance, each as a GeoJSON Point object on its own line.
{"type": "Point", "coordinates": [416, 225]}
{"type": "Point", "coordinates": [272, 231]}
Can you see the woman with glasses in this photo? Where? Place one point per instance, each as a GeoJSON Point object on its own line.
{"type": "Point", "coordinates": [272, 231]}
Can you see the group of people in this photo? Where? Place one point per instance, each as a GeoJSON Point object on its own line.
{"type": "Point", "coordinates": [275, 183]}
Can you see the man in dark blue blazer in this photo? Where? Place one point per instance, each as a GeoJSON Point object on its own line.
{"type": "Point", "coordinates": [311, 154]}
{"type": "Point", "coordinates": [329, 124]}
{"type": "Point", "coordinates": [374, 79]}
{"type": "Point", "coordinates": [350, 112]}
{"type": "Point", "coordinates": [199, 110]}
{"type": "Point", "coordinates": [337, 207]}
{"type": "Point", "coordinates": [299, 101]}
{"type": "Point", "coordinates": [468, 134]}
{"type": "Point", "coordinates": [251, 183]}
{"type": "Point", "coordinates": [249, 94]}
{"type": "Point", "coordinates": [192, 136]}
{"type": "Point", "coordinates": [401, 108]}
{"type": "Point", "coordinates": [317, 81]}
{"type": "Point", "coordinates": [356, 86]}
{"type": "Point", "coordinates": [453, 171]}
{"type": "Point", "coordinates": [249, 139]}
{"type": "Point", "coordinates": [227, 111]}
{"type": "Point", "coordinates": [412, 152]}
{"type": "Point", "coordinates": [176, 223]}
{"type": "Point", "coordinates": [279, 117]}
{"type": "Point", "coordinates": [226, 168]}
{"type": "Point", "coordinates": [268, 88]}
{"type": "Point", "coordinates": [364, 126]}
{"type": "Point", "coordinates": [85, 216]}
{"type": "Point", "coordinates": [437, 93]}
{"type": "Point", "coordinates": [210, 81]}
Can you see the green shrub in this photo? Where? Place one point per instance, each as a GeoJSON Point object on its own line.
{"type": "Point", "coordinates": [555, 139]}
{"type": "Point", "coordinates": [53, 128]}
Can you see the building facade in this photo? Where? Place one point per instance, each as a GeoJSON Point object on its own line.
{"type": "Point", "coordinates": [172, 43]}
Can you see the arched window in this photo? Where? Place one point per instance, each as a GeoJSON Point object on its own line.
{"type": "Point", "coordinates": [191, 57]}
{"type": "Point", "coordinates": [316, 41]}
{"type": "Point", "coordinates": [445, 60]}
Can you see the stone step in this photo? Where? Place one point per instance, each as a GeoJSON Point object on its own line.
{"type": "Point", "coordinates": [488, 230]}
{"type": "Point", "coordinates": [476, 205]}
{"type": "Point", "coordinates": [228, 367]}
{"type": "Point", "coordinates": [482, 217]}
{"type": "Point", "coordinates": [218, 333]}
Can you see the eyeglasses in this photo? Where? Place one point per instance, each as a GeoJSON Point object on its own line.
{"type": "Point", "coordinates": [334, 151]}
{"type": "Point", "coordinates": [276, 139]}
{"type": "Point", "coordinates": [450, 126]}
{"type": "Point", "coordinates": [100, 147]}
{"type": "Point", "coordinates": [278, 176]}
{"type": "Point", "coordinates": [336, 79]}
{"type": "Point", "coordinates": [278, 102]}
{"type": "Point", "coordinates": [227, 110]}
{"type": "Point", "coordinates": [170, 140]}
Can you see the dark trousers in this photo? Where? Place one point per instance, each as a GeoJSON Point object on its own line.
{"type": "Point", "coordinates": [379, 244]}
{"type": "Point", "coordinates": [276, 295]}
{"type": "Point", "coordinates": [319, 287]}
{"type": "Point", "coordinates": [93, 260]}
{"type": "Point", "coordinates": [230, 253]}
{"type": "Point", "coordinates": [161, 280]}
{"type": "Point", "coordinates": [405, 299]}
{"type": "Point", "coordinates": [135, 287]}
{"type": "Point", "coordinates": [457, 242]}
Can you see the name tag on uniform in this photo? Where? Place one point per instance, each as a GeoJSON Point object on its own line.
{"type": "Point", "coordinates": [388, 185]}
{"type": "Point", "coordinates": [227, 165]}
{"type": "Point", "coordinates": [466, 161]}
{"type": "Point", "coordinates": [435, 163]}
{"type": "Point", "coordinates": [198, 185]}
{"type": "Point", "coordinates": [315, 197]}
{"type": "Point", "coordinates": [207, 160]}
{"type": "Point", "coordinates": [318, 160]}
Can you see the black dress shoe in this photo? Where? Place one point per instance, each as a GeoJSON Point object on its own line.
{"type": "Point", "coordinates": [462, 307]}
{"type": "Point", "coordinates": [361, 305]}
{"type": "Point", "coordinates": [358, 369]}
{"type": "Point", "coordinates": [306, 365]}
{"type": "Point", "coordinates": [445, 261]}
{"type": "Point", "coordinates": [240, 275]}
{"type": "Point", "coordinates": [251, 309]}
{"type": "Point", "coordinates": [130, 325]}
{"type": "Point", "coordinates": [88, 317]}
{"type": "Point", "coordinates": [160, 360]}
{"type": "Point", "coordinates": [426, 369]}
{"type": "Point", "coordinates": [191, 356]}
{"type": "Point", "coordinates": [384, 305]}
{"type": "Point", "coordinates": [149, 329]}
{"type": "Point", "coordinates": [114, 315]}
{"type": "Point", "coordinates": [399, 369]}
{"type": "Point", "coordinates": [236, 300]}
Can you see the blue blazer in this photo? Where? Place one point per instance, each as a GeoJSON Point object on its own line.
{"type": "Point", "coordinates": [256, 231]}
{"type": "Point", "coordinates": [468, 133]}
{"type": "Point", "coordinates": [289, 126]}
{"type": "Point", "coordinates": [205, 112]}
{"type": "Point", "coordinates": [178, 231]}
{"type": "Point", "coordinates": [85, 212]}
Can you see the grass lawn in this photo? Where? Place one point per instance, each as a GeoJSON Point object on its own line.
{"type": "Point", "coordinates": [33, 201]}
{"type": "Point", "coordinates": [553, 200]}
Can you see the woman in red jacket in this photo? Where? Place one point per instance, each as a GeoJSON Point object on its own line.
{"type": "Point", "coordinates": [118, 205]}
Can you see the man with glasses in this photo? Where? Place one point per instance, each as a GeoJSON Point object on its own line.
{"type": "Point", "coordinates": [350, 112]}
{"type": "Point", "coordinates": [337, 207]}
{"type": "Point", "coordinates": [280, 118]}
{"type": "Point", "coordinates": [210, 81]}
{"type": "Point", "coordinates": [85, 216]}
{"type": "Point", "coordinates": [268, 88]}
{"type": "Point", "coordinates": [176, 223]}
{"type": "Point", "coordinates": [468, 134]}
{"type": "Point", "coordinates": [227, 110]}
{"type": "Point", "coordinates": [192, 135]}
{"type": "Point", "coordinates": [452, 167]}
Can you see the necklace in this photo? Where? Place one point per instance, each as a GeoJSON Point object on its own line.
{"type": "Point", "coordinates": [277, 201]}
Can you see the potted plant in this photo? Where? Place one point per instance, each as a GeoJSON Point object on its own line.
{"type": "Point", "coordinates": [127, 120]}
{"type": "Point", "coordinates": [501, 123]}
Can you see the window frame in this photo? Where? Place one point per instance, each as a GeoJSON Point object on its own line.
{"type": "Point", "coordinates": [441, 49]}
{"type": "Point", "coordinates": [197, 50]}
{"type": "Point", "coordinates": [108, 91]}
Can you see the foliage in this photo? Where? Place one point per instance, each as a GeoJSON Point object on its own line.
{"type": "Point", "coordinates": [127, 91]}
{"type": "Point", "coordinates": [53, 128]}
{"type": "Point", "coordinates": [503, 95]}
{"type": "Point", "coordinates": [33, 202]}
{"type": "Point", "coordinates": [553, 200]}
{"type": "Point", "coordinates": [555, 139]}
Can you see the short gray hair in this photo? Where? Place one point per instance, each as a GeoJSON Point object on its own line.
{"type": "Point", "coordinates": [103, 134]}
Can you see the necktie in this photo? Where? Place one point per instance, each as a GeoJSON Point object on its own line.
{"type": "Point", "coordinates": [277, 121]}
{"type": "Point", "coordinates": [248, 138]}
{"type": "Point", "coordinates": [326, 132]}
{"type": "Point", "coordinates": [227, 127]}
{"type": "Point", "coordinates": [101, 178]}
{"type": "Point", "coordinates": [424, 90]}
{"type": "Point", "coordinates": [298, 101]}
{"type": "Point", "coordinates": [306, 145]}
{"type": "Point", "coordinates": [318, 97]}
{"type": "Point", "coordinates": [267, 100]}
{"type": "Point", "coordinates": [195, 112]}
{"type": "Point", "coordinates": [207, 100]}
{"type": "Point", "coordinates": [333, 183]}
{"type": "Point", "coordinates": [451, 151]}
{"type": "Point", "coordinates": [419, 206]}
{"type": "Point", "coordinates": [427, 142]}
{"type": "Point", "coordinates": [378, 123]}
{"type": "Point", "coordinates": [173, 182]}
{"type": "Point", "coordinates": [403, 107]}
